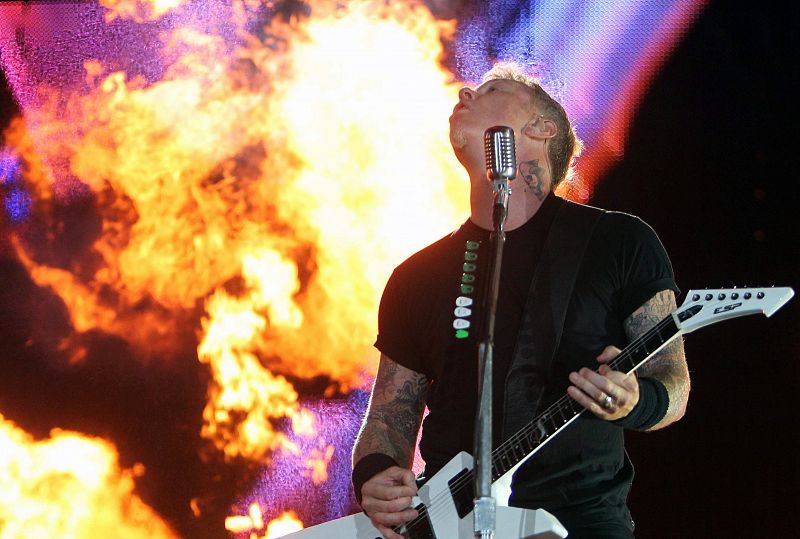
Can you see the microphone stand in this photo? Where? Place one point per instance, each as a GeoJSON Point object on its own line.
{"type": "Point", "coordinates": [485, 505]}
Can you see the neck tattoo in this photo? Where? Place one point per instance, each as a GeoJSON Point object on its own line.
{"type": "Point", "coordinates": [532, 174]}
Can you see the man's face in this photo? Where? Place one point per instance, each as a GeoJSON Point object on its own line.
{"type": "Point", "coordinates": [496, 102]}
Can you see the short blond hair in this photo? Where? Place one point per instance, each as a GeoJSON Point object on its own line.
{"type": "Point", "coordinates": [565, 146]}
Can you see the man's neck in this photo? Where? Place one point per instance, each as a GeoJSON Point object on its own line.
{"type": "Point", "coordinates": [523, 203]}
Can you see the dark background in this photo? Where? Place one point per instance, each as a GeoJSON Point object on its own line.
{"type": "Point", "coordinates": [710, 164]}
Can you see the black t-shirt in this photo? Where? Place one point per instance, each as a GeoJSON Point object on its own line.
{"type": "Point", "coordinates": [429, 322]}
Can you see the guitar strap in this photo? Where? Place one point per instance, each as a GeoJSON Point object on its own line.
{"type": "Point", "coordinates": [545, 310]}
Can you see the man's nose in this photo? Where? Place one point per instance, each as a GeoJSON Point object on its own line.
{"type": "Point", "coordinates": [466, 94]}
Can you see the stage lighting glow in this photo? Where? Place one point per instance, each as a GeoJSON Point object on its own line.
{"type": "Point", "coordinates": [9, 167]}
{"type": "Point", "coordinates": [17, 205]}
{"type": "Point", "coordinates": [596, 57]}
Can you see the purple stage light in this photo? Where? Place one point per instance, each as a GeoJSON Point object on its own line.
{"type": "Point", "coordinates": [17, 205]}
{"type": "Point", "coordinates": [286, 484]}
{"type": "Point", "coordinates": [9, 167]}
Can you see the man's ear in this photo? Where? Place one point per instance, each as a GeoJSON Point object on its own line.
{"type": "Point", "coordinates": [540, 129]}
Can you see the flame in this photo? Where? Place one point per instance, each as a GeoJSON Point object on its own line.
{"type": "Point", "coordinates": [317, 464]}
{"type": "Point", "coordinates": [70, 485]}
{"type": "Point", "coordinates": [254, 522]}
{"type": "Point", "coordinates": [272, 182]}
{"type": "Point", "coordinates": [283, 525]}
{"type": "Point", "coordinates": [138, 10]}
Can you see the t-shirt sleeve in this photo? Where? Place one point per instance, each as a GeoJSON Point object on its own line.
{"type": "Point", "coordinates": [396, 333]}
{"type": "Point", "coordinates": [646, 268]}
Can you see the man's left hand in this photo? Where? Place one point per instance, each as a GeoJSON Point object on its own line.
{"type": "Point", "coordinates": [607, 393]}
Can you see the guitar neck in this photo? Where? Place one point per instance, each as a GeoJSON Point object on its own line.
{"type": "Point", "coordinates": [565, 410]}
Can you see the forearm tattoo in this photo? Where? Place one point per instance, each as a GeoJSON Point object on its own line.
{"type": "Point", "coordinates": [669, 364]}
{"type": "Point", "coordinates": [532, 174]}
{"type": "Point", "coordinates": [394, 413]}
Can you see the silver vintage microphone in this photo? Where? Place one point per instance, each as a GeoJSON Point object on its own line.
{"type": "Point", "coordinates": [501, 166]}
{"type": "Point", "coordinates": [501, 155]}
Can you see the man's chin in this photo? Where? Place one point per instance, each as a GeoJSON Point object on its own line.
{"type": "Point", "coordinates": [458, 139]}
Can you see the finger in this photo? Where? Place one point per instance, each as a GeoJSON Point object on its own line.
{"type": "Point", "coordinates": [388, 533]}
{"type": "Point", "coordinates": [608, 353]}
{"type": "Point", "coordinates": [394, 518]}
{"type": "Point", "coordinates": [618, 387]}
{"type": "Point", "coordinates": [624, 388]}
{"type": "Point", "coordinates": [591, 383]}
{"type": "Point", "coordinates": [409, 479]}
{"type": "Point", "coordinates": [375, 505]}
{"type": "Point", "coordinates": [587, 402]}
{"type": "Point", "coordinates": [388, 492]}
{"type": "Point", "coordinates": [391, 483]}
{"type": "Point", "coordinates": [396, 476]}
{"type": "Point", "coordinates": [605, 382]}
{"type": "Point", "coordinates": [626, 381]}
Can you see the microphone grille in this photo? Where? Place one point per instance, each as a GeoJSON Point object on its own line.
{"type": "Point", "coordinates": [501, 160]}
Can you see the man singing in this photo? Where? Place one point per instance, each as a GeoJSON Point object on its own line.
{"type": "Point", "coordinates": [622, 286]}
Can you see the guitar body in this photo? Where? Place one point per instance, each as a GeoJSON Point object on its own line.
{"type": "Point", "coordinates": [452, 516]}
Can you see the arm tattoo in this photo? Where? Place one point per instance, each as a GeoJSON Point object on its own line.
{"type": "Point", "coordinates": [667, 366]}
{"type": "Point", "coordinates": [394, 413]}
{"type": "Point", "coordinates": [532, 174]}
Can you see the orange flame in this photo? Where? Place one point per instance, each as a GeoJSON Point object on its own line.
{"type": "Point", "coordinates": [275, 184]}
{"type": "Point", "coordinates": [317, 464]}
{"type": "Point", "coordinates": [69, 485]}
{"type": "Point", "coordinates": [254, 522]}
{"type": "Point", "coordinates": [283, 525]}
{"type": "Point", "coordinates": [139, 10]}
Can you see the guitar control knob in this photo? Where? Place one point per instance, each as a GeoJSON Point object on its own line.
{"type": "Point", "coordinates": [748, 295]}
{"type": "Point", "coordinates": [721, 296]}
{"type": "Point", "coordinates": [760, 295]}
{"type": "Point", "coordinates": [695, 297]}
{"type": "Point", "coordinates": [734, 296]}
{"type": "Point", "coordinates": [709, 297]}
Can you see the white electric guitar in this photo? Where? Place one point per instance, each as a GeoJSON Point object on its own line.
{"type": "Point", "coordinates": [445, 501]}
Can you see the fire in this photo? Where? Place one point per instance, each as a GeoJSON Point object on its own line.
{"type": "Point", "coordinates": [275, 186]}
{"type": "Point", "coordinates": [258, 195]}
{"type": "Point", "coordinates": [283, 525]}
{"type": "Point", "coordinates": [139, 10]}
{"type": "Point", "coordinates": [69, 485]}
{"type": "Point", "coordinates": [318, 462]}
{"type": "Point", "coordinates": [254, 522]}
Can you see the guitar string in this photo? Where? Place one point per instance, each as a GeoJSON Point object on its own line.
{"type": "Point", "coordinates": [436, 504]}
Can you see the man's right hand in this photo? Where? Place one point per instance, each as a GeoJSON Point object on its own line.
{"type": "Point", "coordinates": [386, 499]}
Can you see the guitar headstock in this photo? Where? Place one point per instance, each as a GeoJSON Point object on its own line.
{"type": "Point", "coordinates": [704, 307]}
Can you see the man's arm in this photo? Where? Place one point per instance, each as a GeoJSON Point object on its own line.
{"type": "Point", "coordinates": [394, 414]}
{"type": "Point", "coordinates": [389, 432]}
{"type": "Point", "coordinates": [668, 366]}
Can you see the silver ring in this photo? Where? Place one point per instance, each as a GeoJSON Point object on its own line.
{"type": "Point", "coordinates": [607, 402]}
